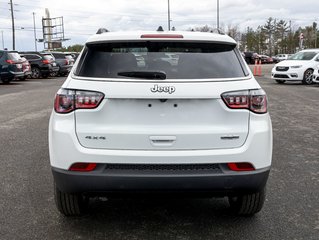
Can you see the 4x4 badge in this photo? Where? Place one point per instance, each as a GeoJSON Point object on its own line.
{"type": "Point", "coordinates": [167, 89]}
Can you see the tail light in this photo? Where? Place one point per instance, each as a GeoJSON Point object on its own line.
{"type": "Point", "coordinates": [241, 166]}
{"type": "Point", "coordinates": [67, 62]}
{"type": "Point", "coordinates": [46, 61]}
{"type": "Point", "coordinates": [10, 61]}
{"type": "Point", "coordinates": [254, 100]}
{"type": "Point", "coordinates": [67, 100]}
{"type": "Point", "coordinates": [162, 36]}
{"type": "Point", "coordinates": [82, 167]}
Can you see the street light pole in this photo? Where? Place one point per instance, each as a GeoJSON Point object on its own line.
{"type": "Point", "coordinates": [13, 30]}
{"type": "Point", "coordinates": [169, 17]}
{"type": "Point", "coordinates": [35, 34]}
{"type": "Point", "coordinates": [2, 39]}
{"type": "Point", "coordinates": [218, 14]}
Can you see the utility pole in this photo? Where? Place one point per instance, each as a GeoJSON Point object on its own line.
{"type": "Point", "coordinates": [35, 34]}
{"type": "Point", "coordinates": [169, 17]}
{"type": "Point", "coordinates": [13, 30]}
{"type": "Point", "coordinates": [218, 14]}
{"type": "Point", "coordinates": [2, 39]}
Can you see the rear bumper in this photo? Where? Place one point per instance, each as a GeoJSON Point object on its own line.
{"type": "Point", "coordinates": [65, 69]}
{"type": "Point", "coordinates": [103, 181]}
{"type": "Point", "coordinates": [11, 74]}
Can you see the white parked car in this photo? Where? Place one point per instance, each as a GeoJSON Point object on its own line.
{"type": "Point", "coordinates": [192, 126]}
{"type": "Point", "coordinates": [281, 57]}
{"type": "Point", "coordinates": [299, 67]}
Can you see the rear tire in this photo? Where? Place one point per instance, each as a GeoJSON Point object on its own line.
{"type": "Point", "coordinates": [6, 80]}
{"type": "Point", "coordinates": [70, 204]}
{"type": "Point", "coordinates": [248, 204]}
{"type": "Point", "coordinates": [35, 73]}
{"type": "Point", "coordinates": [307, 77]}
{"type": "Point", "coordinates": [280, 81]}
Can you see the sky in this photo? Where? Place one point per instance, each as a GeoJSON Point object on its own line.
{"type": "Point", "coordinates": [83, 18]}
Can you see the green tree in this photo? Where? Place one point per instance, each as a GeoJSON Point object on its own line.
{"type": "Point", "coordinates": [281, 32]}
{"type": "Point", "coordinates": [269, 29]}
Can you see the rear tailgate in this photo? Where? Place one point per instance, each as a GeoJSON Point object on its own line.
{"type": "Point", "coordinates": [179, 121]}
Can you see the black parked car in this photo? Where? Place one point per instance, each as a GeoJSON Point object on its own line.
{"type": "Point", "coordinates": [64, 61]}
{"type": "Point", "coordinates": [10, 66]}
{"type": "Point", "coordinates": [250, 57]}
{"type": "Point", "coordinates": [42, 64]}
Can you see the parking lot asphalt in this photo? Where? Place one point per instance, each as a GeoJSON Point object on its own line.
{"type": "Point", "coordinates": [27, 209]}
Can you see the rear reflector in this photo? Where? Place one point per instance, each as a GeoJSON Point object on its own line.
{"type": "Point", "coordinates": [243, 166]}
{"type": "Point", "coordinates": [162, 36]}
{"type": "Point", "coordinates": [83, 167]}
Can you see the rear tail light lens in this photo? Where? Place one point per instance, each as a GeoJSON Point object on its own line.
{"type": "Point", "coordinates": [45, 61]}
{"type": "Point", "coordinates": [67, 100]}
{"type": "Point", "coordinates": [10, 61]}
{"type": "Point", "coordinates": [242, 166]}
{"type": "Point", "coordinates": [254, 100]}
{"type": "Point", "coordinates": [82, 167]}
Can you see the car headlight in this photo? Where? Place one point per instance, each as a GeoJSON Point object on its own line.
{"type": "Point", "coordinates": [298, 66]}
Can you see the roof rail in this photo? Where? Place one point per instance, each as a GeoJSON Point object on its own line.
{"type": "Point", "coordinates": [102, 30]}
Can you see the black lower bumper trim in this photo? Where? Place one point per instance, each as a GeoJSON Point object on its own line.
{"type": "Point", "coordinates": [225, 183]}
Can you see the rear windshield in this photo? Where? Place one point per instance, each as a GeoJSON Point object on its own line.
{"type": "Point", "coordinates": [14, 56]}
{"type": "Point", "coordinates": [178, 60]}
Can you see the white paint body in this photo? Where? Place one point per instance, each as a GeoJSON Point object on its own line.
{"type": "Point", "coordinates": [137, 128]}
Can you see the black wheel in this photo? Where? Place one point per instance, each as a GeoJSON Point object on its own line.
{"type": "Point", "coordinates": [70, 204]}
{"type": "Point", "coordinates": [6, 80]}
{"type": "Point", "coordinates": [54, 74]}
{"type": "Point", "coordinates": [280, 81]}
{"type": "Point", "coordinates": [35, 72]}
{"type": "Point", "coordinates": [307, 77]}
{"type": "Point", "coordinates": [247, 204]}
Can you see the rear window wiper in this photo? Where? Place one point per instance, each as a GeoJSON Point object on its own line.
{"type": "Point", "coordinates": [144, 74]}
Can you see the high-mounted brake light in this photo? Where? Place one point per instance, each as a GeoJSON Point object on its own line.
{"type": "Point", "coordinates": [162, 36]}
{"type": "Point", "coordinates": [254, 100]}
{"type": "Point", "coordinates": [242, 166]}
{"type": "Point", "coordinates": [82, 167]}
{"type": "Point", "coordinates": [68, 100]}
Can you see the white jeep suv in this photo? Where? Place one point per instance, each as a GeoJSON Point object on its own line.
{"type": "Point", "coordinates": [195, 125]}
